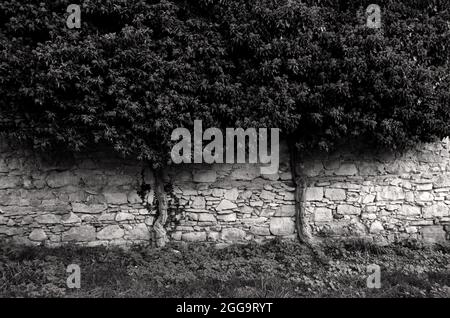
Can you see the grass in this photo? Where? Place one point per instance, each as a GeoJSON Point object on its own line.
{"type": "Point", "coordinates": [276, 269]}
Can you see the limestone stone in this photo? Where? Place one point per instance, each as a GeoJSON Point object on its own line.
{"type": "Point", "coordinates": [347, 169]}
{"type": "Point", "coordinates": [286, 210]}
{"type": "Point", "coordinates": [376, 227]}
{"type": "Point", "coordinates": [38, 235]}
{"type": "Point", "coordinates": [323, 215]}
{"type": "Point", "coordinates": [335, 194]}
{"type": "Point", "coordinates": [133, 197]}
{"type": "Point", "coordinates": [348, 209]}
{"type": "Point", "coordinates": [90, 209]}
{"type": "Point", "coordinates": [368, 199]}
{"type": "Point", "coordinates": [139, 232]}
{"type": "Point", "coordinates": [256, 203]}
{"type": "Point", "coordinates": [433, 234]}
{"type": "Point", "coordinates": [231, 194]}
{"type": "Point", "coordinates": [205, 176]}
{"type": "Point", "coordinates": [424, 187]}
{"type": "Point", "coordinates": [61, 179]}
{"type": "Point", "coordinates": [232, 234]}
{"type": "Point", "coordinates": [9, 182]}
{"type": "Point", "coordinates": [390, 193]}
{"type": "Point", "coordinates": [267, 195]}
{"type": "Point", "coordinates": [70, 218]}
{"type": "Point", "coordinates": [436, 210]}
{"type": "Point", "coordinates": [206, 217]}
{"type": "Point", "coordinates": [194, 237]}
{"type": "Point", "coordinates": [82, 233]}
{"type": "Point", "coordinates": [110, 232]}
{"type": "Point", "coordinates": [226, 205]}
{"type": "Point", "coordinates": [124, 216]}
{"type": "Point", "coordinates": [260, 230]}
{"type": "Point", "coordinates": [410, 210]}
{"type": "Point", "coordinates": [282, 226]}
{"type": "Point", "coordinates": [199, 203]}
{"type": "Point", "coordinates": [48, 219]}
{"type": "Point", "coordinates": [227, 217]}
{"type": "Point", "coordinates": [116, 198]}
{"type": "Point", "coordinates": [218, 193]}
{"type": "Point", "coordinates": [314, 194]}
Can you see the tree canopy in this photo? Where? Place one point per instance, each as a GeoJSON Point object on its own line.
{"type": "Point", "coordinates": [136, 70]}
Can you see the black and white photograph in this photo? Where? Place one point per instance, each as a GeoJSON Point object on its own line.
{"type": "Point", "coordinates": [224, 155]}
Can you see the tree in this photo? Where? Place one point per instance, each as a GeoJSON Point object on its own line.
{"type": "Point", "coordinates": [135, 71]}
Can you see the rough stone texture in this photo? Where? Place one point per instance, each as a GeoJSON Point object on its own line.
{"type": "Point", "coordinates": [282, 226]}
{"type": "Point", "coordinates": [93, 198]}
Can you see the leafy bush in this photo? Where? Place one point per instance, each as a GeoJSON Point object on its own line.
{"type": "Point", "coordinates": [138, 69]}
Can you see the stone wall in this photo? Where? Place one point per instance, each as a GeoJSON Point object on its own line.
{"type": "Point", "coordinates": [95, 198]}
{"type": "Point", "coordinates": [384, 197]}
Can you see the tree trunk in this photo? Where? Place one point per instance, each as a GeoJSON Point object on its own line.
{"type": "Point", "coordinates": [303, 230]}
{"type": "Point", "coordinates": [159, 225]}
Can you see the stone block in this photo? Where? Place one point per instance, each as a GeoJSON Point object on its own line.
{"type": "Point", "coordinates": [282, 226]}
{"type": "Point", "coordinates": [314, 194]}
{"type": "Point", "coordinates": [323, 215]}
{"type": "Point", "coordinates": [335, 194]}
{"type": "Point", "coordinates": [82, 233]}
{"type": "Point", "coordinates": [232, 234]}
{"type": "Point", "coordinates": [110, 232]}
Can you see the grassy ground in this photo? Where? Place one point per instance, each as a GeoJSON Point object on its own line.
{"type": "Point", "coordinates": [277, 269]}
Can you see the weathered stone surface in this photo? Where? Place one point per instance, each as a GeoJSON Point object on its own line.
{"type": "Point", "coordinates": [233, 234]}
{"type": "Point", "coordinates": [227, 217]}
{"type": "Point", "coordinates": [61, 179]}
{"type": "Point", "coordinates": [286, 210]}
{"type": "Point", "coordinates": [206, 217]}
{"type": "Point", "coordinates": [38, 235]}
{"type": "Point", "coordinates": [390, 193]}
{"type": "Point", "coordinates": [410, 210]}
{"type": "Point", "coordinates": [70, 218]}
{"type": "Point", "coordinates": [194, 237]}
{"type": "Point", "coordinates": [231, 194]}
{"type": "Point", "coordinates": [133, 197]}
{"type": "Point", "coordinates": [110, 232]}
{"type": "Point", "coordinates": [199, 203]}
{"type": "Point", "coordinates": [433, 234]}
{"type": "Point", "coordinates": [205, 176]}
{"type": "Point", "coordinates": [282, 226]}
{"type": "Point", "coordinates": [314, 194]}
{"type": "Point", "coordinates": [82, 233]}
{"type": "Point", "coordinates": [323, 215]}
{"type": "Point", "coordinates": [347, 169]}
{"type": "Point", "coordinates": [9, 182]}
{"type": "Point", "coordinates": [116, 197]}
{"type": "Point", "coordinates": [260, 230]}
{"type": "Point", "coordinates": [436, 210]}
{"type": "Point", "coordinates": [335, 194]}
{"type": "Point", "coordinates": [139, 232]}
{"type": "Point", "coordinates": [90, 209]}
{"type": "Point", "coordinates": [348, 209]}
{"type": "Point", "coordinates": [226, 205]}
{"type": "Point", "coordinates": [376, 227]}
{"type": "Point", "coordinates": [267, 195]}
{"type": "Point", "coordinates": [123, 216]}
{"type": "Point", "coordinates": [48, 219]}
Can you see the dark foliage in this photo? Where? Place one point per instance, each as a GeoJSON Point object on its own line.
{"type": "Point", "coordinates": [138, 69]}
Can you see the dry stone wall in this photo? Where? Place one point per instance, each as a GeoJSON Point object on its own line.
{"type": "Point", "coordinates": [97, 198]}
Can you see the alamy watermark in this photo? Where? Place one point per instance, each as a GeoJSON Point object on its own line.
{"type": "Point", "coordinates": [257, 148]}
{"type": "Point", "coordinates": [74, 279]}
{"type": "Point", "coordinates": [374, 278]}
